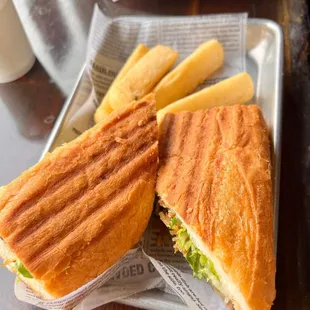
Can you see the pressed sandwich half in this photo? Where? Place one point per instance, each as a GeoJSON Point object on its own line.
{"type": "Point", "coordinates": [70, 217]}
{"type": "Point", "coordinates": [214, 182]}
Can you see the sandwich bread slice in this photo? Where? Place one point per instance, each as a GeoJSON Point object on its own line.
{"type": "Point", "coordinates": [214, 182]}
{"type": "Point", "coordinates": [70, 217]}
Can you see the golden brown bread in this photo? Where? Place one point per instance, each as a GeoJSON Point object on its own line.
{"type": "Point", "coordinates": [215, 174]}
{"type": "Point", "coordinates": [75, 213]}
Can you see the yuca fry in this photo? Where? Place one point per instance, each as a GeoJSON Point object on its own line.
{"type": "Point", "coordinates": [102, 111]}
{"type": "Point", "coordinates": [105, 108]}
{"type": "Point", "coordinates": [238, 89]}
{"type": "Point", "coordinates": [143, 77]}
{"type": "Point", "coordinates": [191, 72]}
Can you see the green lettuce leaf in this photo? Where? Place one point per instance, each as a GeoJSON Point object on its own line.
{"type": "Point", "coordinates": [22, 270]}
{"type": "Point", "coordinates": [202, 267]}
{"type": "Point", "coordinates": [173, 222]}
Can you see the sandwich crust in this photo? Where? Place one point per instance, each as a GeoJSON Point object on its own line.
{"type": "Point", "coordinates": [215, 173]}
{"type": "Point", "coordinates": [76, 212]}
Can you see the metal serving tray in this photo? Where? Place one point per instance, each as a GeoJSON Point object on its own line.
{"type": "Point", "coordinates": [264, 58]}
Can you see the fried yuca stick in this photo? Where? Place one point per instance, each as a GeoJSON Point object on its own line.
{"type": "Point", "coordinates": [105, 108]}
{"type": "Point", "coordinates": [143, 77]}
{"type": "Point", "coordinates": [184, 79]}
{"type": "Point", "coordinates": [238, 89]}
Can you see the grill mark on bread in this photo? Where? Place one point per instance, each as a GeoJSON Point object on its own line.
{"type": "Point", "coordinates": [177, 145]}
{"type": "Point", "coordinates": [194, 120]}
{"type": "Point", "coordinates": [200, 168]}
{"type": "Point", "coordinates": [49, 189]}
{"type": "Point", "coordinates": [166, 129]}
{"type": "Point", "coordinates": [212, 146]}
{"type": "Point", "coordinates": [212, 164]}
{"type": "Point", "coordinates": [129, 179]}
{"type": "Point", "coordinates": [105, 174]}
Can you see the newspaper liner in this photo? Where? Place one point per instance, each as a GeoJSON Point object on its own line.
{"type": "Point", "coordinates": [153, 263]}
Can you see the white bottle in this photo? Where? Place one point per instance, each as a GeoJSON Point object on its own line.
{"type": "Point", "coordinates": [16, 57]}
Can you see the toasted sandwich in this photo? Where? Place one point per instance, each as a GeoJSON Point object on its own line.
{"type": "Point", "coordinates": [70, 217]}
{"type": "Point", "coordinates": [214, 182]}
